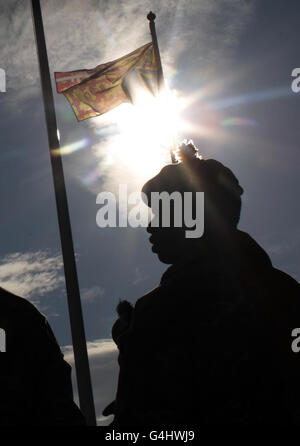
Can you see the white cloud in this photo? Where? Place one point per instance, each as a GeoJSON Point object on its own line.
{"type": "Point", "coordinates": [93, 293]}
{"type": "Point", "coordinates": [84, 34]}
{"type": "Point", "coordinates": [196, 38]}
{"type": "Point", "coordinates": [140, 276]}
{"type": "Point", "coordinates": [104, 371]}
{"type": "Point", "coordinates": [32, 274]}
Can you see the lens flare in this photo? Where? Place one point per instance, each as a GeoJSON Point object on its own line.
{"type": "Point", "coordinates": [229, 122]}
{"type": "Point", "coordinates": [73, 147]}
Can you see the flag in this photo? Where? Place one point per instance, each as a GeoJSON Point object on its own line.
{"type": "Point", "coordinates": [96, 91]}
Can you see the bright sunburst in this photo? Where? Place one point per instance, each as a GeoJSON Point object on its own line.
{"type": "Point", "coordinates": [147, 131]}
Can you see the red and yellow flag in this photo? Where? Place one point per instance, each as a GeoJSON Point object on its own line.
{"type": "Point", "coordinates": [94, 92]}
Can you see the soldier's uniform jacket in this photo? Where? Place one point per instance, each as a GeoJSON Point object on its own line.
{"type": "Point", "coordinates": [35, 381]}
{"type": "Point", "coordinates": [212, 344]}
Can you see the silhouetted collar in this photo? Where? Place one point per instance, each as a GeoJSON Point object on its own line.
{"type": "Point", "coordinates": [237, 255]}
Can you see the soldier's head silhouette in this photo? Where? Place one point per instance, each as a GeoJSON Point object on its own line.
{"type": "Point", "coordinates": [222, 204]}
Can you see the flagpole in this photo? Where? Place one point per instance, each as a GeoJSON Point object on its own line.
{"type": "Point", "coordinates": [84, 384]}
{"type": "Point", "coordinates": [160, 75]}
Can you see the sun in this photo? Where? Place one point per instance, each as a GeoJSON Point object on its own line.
{"type": "Point", "coordinates": [147, 131]}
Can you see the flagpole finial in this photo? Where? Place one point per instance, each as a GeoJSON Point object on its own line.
{"type": "Point", "coordinates": [151, 16]}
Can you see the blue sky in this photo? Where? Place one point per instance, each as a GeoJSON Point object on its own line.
{"type": "Point", "coordinates": [230, 61]}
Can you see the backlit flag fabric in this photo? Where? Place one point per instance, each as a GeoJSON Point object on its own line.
{"type": "Point", "coordinates": [94, 92]}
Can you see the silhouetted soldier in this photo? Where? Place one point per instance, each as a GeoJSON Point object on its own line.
{"type": "Point", "coordinates": [212, 343]}
{"type": "Point", "coordinates": [35, 381]}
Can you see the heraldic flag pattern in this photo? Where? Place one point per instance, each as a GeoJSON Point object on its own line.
{"type": "Point", "coordinates": [96, 91]}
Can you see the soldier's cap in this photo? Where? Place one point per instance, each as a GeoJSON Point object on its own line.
{"type": "Point", "coordinates": [222, 191]}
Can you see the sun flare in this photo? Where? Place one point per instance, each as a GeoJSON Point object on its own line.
{"type": "Point", "coordinates": [147, 131]}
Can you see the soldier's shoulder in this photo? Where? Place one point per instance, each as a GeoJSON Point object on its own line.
{"type": "Point", "coordinates": [283, 299]}
{"type": "Point", "coordinates": [12, 303]}
{"type": "Point", "coordinates": [286, 287]}
{"type": "Point", "coordinates": [285, 279]}
{"type": "Point", "coordinates": [149, 300]}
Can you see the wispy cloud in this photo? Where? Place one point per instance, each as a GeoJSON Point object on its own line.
{"type": "Point", "coordinates": [139, 276]}
{"type": "Point", "coordinates": [91, 294]}
{"type": "Point", "coordinates": [197, 40]}
{"type": "Point", "coordinates": [81, 35]}
{"type": "Point", "coordinates": [32, 274]}
{"type": "Point", "coordinates": [104, 371]}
